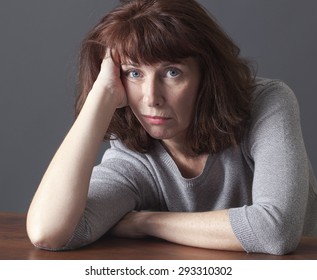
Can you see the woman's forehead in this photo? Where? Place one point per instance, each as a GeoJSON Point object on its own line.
{"type": "Point", "coordinates": [137, 49]}
{"type": "Point", "coordinates": [139, 58]}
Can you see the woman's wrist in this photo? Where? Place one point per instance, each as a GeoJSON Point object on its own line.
{"type": "Point", "coordinates": [149, 223]}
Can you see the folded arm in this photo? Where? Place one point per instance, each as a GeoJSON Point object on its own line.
{"type": "Point", "coordinates": [210, 230]}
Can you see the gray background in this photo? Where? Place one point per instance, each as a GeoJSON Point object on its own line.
{"type": "Point", "coordinates": [39, 43]}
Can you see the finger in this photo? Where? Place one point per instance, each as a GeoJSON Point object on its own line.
{"type": "Point", "coordinates": [107, 60]}
{"type": "Point", "coordinates": [107, 53]}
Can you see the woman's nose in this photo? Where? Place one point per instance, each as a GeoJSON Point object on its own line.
{"type": "Point", "coordinates": [153, 92]}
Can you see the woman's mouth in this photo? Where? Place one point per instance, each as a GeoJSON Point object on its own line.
{"type": "Point", "coordinates": [156, 120]}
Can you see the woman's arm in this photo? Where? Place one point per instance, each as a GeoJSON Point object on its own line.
{"type": "Point", "coordinates": [60, 199]}
{"type": "Point", "coordinates": [210, 230]}
{"type": "Point", "coordinates": [274, 222]}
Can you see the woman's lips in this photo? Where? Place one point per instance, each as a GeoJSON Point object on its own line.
{"type": "Point", "coordinates": [157, 120]}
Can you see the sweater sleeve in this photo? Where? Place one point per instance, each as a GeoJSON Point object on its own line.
{"type": "Point", "coordinates": [120, 184]}
{"type": "Point", "coordinates": [274, 222]}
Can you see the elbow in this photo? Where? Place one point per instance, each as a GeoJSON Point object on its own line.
{"type": "Point", "coordinates": [268, 230]}
{"type": "Point", "coordinates": [281, 245]}
{"type": "Point", "coordinates": [281, 240]}
{"type": "Point", "coordinates": [45, 242]}
{"type": "Point", "coordinates": [45, 238]}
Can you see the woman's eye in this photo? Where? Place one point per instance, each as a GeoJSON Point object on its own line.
{"type": "Point", "coordinates": [134, 74]}
{"type": "Point", "coordinates": [173, 73]}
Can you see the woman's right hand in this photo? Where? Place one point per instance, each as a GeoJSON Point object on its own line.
{"type": "Point", "coordinates": [109, 80]}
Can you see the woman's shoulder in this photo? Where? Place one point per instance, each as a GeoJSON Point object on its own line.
{"type": "Point", "coordinates": [272, 89]}
{"type": "Point", "coordinates": [120, 160]}
{"type": "Point", "coordinates": [273, 97]}
{"type": "Point", "coordinates": [274, 112]}
{"type": "Point", "coordinates": [119, 151]}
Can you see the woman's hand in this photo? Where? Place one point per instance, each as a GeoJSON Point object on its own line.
{"type": "Point", "coordinates": [109, 79]}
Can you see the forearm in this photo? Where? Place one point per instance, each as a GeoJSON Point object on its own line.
{"type": "Point", "coordinates": [206, 229]}
{"type": "Point", "coordinates": [61, 196]}
{"type": "Point", "coordinates": [211, 230]}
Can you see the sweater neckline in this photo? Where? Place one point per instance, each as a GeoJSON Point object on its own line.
{"type": "Point", "coordinates": [168, 161]}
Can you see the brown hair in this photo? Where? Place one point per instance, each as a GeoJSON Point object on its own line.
{"type": "Point", "coordinates": [149, 31]}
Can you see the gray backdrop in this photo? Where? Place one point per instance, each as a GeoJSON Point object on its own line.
{"type": "Point", "coordinates": [39, 44]}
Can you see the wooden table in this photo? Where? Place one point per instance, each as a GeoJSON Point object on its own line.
{"type": "Point", "coordinates": [15, 245]}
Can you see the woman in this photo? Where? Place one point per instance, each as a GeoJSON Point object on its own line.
{"type": "Point", "coordinates": [213, 155]}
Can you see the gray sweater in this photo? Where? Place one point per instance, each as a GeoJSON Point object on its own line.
{"type": "Point", "coordinates": [266, 182]}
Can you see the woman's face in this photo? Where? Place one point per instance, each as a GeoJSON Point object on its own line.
{"type": "Point", "coordinates": [162, 96]}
